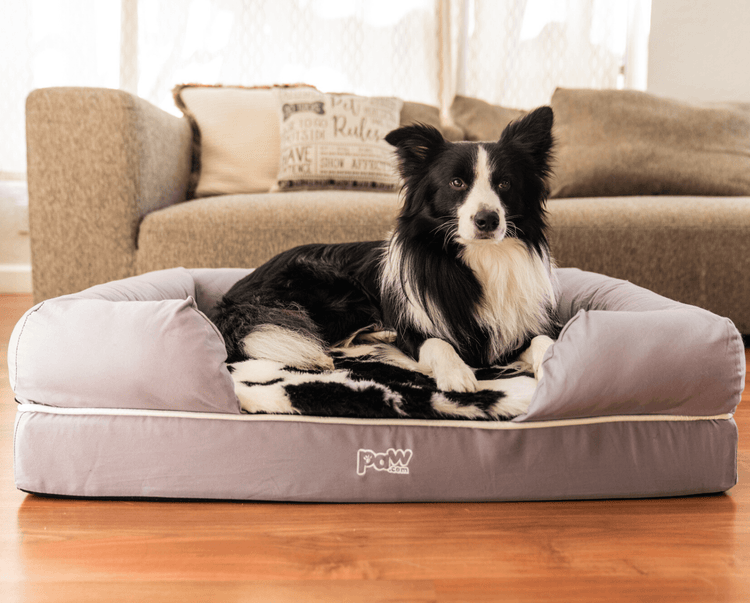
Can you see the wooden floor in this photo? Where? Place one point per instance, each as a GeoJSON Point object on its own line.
{"type": "Point", "coordinates": [682, 550]}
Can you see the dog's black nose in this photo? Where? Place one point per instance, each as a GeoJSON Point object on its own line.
{"type": "Point", "coordinates": [486, 220]}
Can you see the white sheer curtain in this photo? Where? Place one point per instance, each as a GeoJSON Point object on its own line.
{"type": "Point", "coordinates": [516, 53]}
{"type": "Point", "coordinates": [512, 52]}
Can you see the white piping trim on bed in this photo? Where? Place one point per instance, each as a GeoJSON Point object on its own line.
{"type": "Point", "coordinates": [502, 425]}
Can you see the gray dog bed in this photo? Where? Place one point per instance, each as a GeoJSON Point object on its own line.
{"type": "Point", "coordinates": [123, 392]}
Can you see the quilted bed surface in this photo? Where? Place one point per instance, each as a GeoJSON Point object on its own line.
{"type": "Point", "coordinates": [128, 379]}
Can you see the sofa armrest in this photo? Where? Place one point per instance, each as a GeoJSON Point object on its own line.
{"type": "Point", "coordinates": [98, 161]}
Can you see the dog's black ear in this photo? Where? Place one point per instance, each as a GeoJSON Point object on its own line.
{"type": "Point", "coordinates": [533, 133]}
{"type": "Point", "coordinates": [415, 145]}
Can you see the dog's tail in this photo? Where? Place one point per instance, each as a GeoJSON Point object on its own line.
{"type": "Point", "coordinates": [263, 328]}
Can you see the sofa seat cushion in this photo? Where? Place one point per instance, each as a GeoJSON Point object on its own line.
{"type": "Point", "coordinates": [247, 230]}
{"type": "Point", "coordinates": [695, 249]}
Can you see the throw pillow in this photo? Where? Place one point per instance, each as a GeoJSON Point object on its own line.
{"type": "Point", "coordinates": [419, 113]}
{"type": "Point", "coordinates": [479, 120]}
{"type": "Point", "coordinates": [626, 142]}
{"type": "Point", "coordinates": [236, 141]}
{"type": "Point", "coordinates": [236, 135]}
{"type": "Point", "coordinates": [336, 140]}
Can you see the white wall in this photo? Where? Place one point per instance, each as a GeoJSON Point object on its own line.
{"type": "Point", "coordinates": [700, 49]}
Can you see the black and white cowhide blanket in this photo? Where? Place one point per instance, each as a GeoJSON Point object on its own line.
{"type": "Point", "coordinates": [365, 384]}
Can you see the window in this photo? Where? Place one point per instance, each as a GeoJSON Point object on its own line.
{"type": "Point", "coordinates": [511, 52]}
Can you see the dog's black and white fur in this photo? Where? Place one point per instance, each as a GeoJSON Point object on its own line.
{"type": "Point", "coordinates": [464, 279]}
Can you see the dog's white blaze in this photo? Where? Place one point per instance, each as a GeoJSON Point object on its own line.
{"type": "Point", "coordinates": [517, 290]}
{"type": "Point", "coordinates": [271, 342]}
{"type": "Point", "coordinates": [481, 196]}
{"type": "Point", "coordinates": [439, 358]}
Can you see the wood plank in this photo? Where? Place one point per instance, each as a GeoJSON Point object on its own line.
{"type": "Point", "coordinates": [221, 592]}
{"type": "Point", "coordinates": [603, 588]}
{"type": "Point", "coordinates": [680, 549]}
{"type": "Point", "coordinates": [214, 541]}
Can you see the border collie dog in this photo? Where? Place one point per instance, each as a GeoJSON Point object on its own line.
{"type": "Point", "coordinates": [464, 279]}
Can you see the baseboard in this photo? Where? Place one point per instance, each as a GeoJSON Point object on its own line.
{"type": "Point", "coordinates": [15, 278]}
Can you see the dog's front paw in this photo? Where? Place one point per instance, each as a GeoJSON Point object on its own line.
{"type": "Point", "coordinates": [439, 359]}
{"type": "Point", "coordinates": [460, 379]}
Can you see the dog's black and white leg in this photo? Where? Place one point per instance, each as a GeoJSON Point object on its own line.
{"type": "Point", "coordinates": [439, 359]}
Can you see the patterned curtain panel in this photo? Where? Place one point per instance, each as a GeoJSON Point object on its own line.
{"type": "Point", "coordinates": [383, 47]}
{"type": "Point", "coordinates": [511, 52]}
{"type": "Point", "coordinates": [516, 53]}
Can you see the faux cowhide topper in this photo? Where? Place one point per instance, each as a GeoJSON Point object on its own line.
{"type": "Point", "coordinates": [363, 385]}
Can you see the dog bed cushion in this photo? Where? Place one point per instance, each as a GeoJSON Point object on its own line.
{"type": "Point", "coordinates": [123, 392]}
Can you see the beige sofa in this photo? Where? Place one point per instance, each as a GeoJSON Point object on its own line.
{"type": "Point", "coordinates": [108, 175]}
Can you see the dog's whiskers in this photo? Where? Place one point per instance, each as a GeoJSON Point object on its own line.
{"type": "Point", "coordinates": [513, 230]}
{"type": "Point", "coordinates": [449, 228]}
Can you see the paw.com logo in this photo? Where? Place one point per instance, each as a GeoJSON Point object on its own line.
{"type": "Point", "coordinates": [392, 461]}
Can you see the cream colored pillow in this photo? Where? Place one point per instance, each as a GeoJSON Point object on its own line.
{"type": "Point", "coordinates": [236, 138]}
{"type": "Point", "coordinates": [336, 140]}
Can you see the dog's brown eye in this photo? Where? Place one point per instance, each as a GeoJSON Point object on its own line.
{"type": "Point", "coordinates": [503, 185]}
{"type": "Point", "coordinates": [458, 184]}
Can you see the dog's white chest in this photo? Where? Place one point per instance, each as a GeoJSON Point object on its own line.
{"type": "Point", "coordinates": [517, 290]}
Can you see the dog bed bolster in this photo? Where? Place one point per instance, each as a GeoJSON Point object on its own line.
{"type": "Point", "coordinates": [140, 343]}
{"type": "Point", "coordinates": [625, 350]}
{"type": "Point", "coordinates": [145, 343]}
